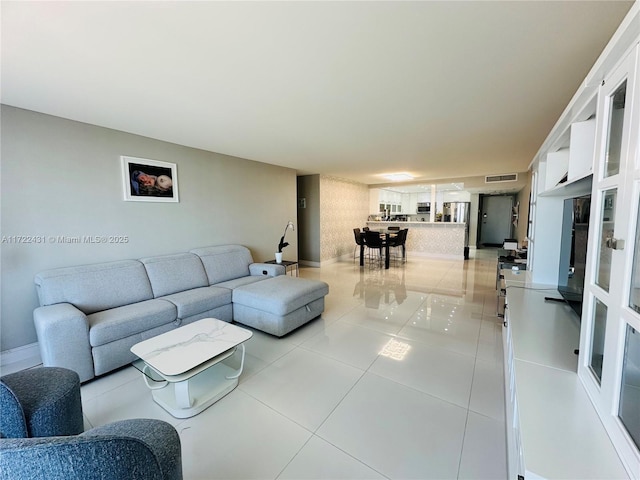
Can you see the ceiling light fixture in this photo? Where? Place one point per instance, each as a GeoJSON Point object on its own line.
{"type": "Point", "coordinates": [398, 177]}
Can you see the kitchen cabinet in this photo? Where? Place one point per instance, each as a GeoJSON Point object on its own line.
{"type": "Point", "coordinates": [374, 200]}
{"type": "Point", "coordinates": [389, 201]}
{"type": "Point", "coordinates": [409, 205]}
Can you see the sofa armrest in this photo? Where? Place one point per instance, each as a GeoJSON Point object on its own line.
{"type": "Point", "coordinates": [63, 338]}
{"type": "Point", "coordinates": [267, 269]}
{"type": "Point", "coordinates": [140, 448]}
{"type": "Point", "coordinates": [13, 422]}
{"type": "Point", "coordinates": [160, 437]}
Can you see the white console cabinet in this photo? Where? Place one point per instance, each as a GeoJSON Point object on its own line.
{"type": "Point", "coordinates": [553, 430]}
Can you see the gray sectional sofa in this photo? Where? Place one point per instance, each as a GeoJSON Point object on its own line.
{"type": "Point", "coordinates": [91, 315]}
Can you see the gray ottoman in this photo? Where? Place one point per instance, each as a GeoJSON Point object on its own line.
{"type": "Point", "coordinates": [279, 305]}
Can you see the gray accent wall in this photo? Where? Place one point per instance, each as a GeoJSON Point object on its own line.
{"type": "Point", "coordinates": [309, 219]}
{"type": "Point", "coordinates": [61, 178]}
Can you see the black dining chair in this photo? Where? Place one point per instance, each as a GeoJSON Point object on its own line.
{"type": "Point", "coordinates": [397, 244]}
{"type": "Point", "coordinates": [374, 242]}
{"type": "Point", "coordinates": [405, 232]}
{"type": "Point", "coordinates": [359, 236]}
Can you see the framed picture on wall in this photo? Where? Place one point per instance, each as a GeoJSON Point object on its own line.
{"type": "Point", "coordinates": [147, 180]}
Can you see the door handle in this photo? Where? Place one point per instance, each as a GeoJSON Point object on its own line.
{"type": "Point", "coordinates": [614, 243]}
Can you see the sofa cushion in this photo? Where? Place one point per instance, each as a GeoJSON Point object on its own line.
{"type": "Point", "coordinates": [198, 300]}
{"type": "Point", "coordinates": [224, 262]}
{"type": "Point", "coordinates": [116, 323]}
{"type": "Point", "coordinates": [92, 288]}
{"type": "Point", "coordinates": [174, 273]}
{"type": "Point", "coordinates": [280, 295]}
{"type": "Point", "coordinates": [239, 282]}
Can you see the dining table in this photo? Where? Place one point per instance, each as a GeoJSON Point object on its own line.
{"type": "Point", "coordinates": [387, 234]}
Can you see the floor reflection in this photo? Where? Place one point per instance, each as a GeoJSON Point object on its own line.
{"type": "Point", "coordinates": [375, 287]}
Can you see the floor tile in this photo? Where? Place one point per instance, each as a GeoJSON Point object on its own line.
{"type": "Point", "coordinates": [268, 348]}
{"type": "Point", "coordinates": [105, 383]}
{"type": "Point", "coordinates": [239, 438]}
{"type": "Point", "coordinates": [398, 431]}
{"type": "Point", "coordinates": [382, 318]}
{"type": "Point", "coordinates": [433, 370]}
{"type": "Point", "coordinates": [308, 330]}
{"type": "Point", "coordinates": [459, 334]}
{"type": "Point", "coordinates": [487, 390]}
{"type": "Point", "coordinates": [319, 459]}
{"type": "Point", "coordinates": [484, 452]}
{"type": "Point", "coordinates": [129, 400]}
{"type": "Point", "coordinates": [303, 385]}
{"type": "Point", "coordinates": [352, 344]}
{"type": "Point", "coordinates": [490, 340]}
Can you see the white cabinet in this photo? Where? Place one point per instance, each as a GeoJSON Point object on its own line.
{"type": "Point", "coordinates": [567, 421]}
{"type": "Point", "coordinates": [409, 203]}
{"type": "Point", "coordinates": [413, 203]}
{"type": "Point", "coordinates": [569, 165]}
{"type": "Point", "coordinates": [392, 201]}
{"type": "Point", "coordinates": [553, 431]}
{"type": "Point", "coordinates": [581, 150]}
{"type": "Point", "coordinates": [424, 197]}
{"type": "Point", "coordinates": [374, 200]}
{"type": "Point", "coordinates": [557, 168]}
{"type": "Point", "coordinates": [515, 460]}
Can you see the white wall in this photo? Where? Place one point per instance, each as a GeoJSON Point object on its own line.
{"type": "Point", "coordinates": [60, 177]}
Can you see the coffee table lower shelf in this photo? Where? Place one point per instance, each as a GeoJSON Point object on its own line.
{"type": "Point", "coordinates": [190, 397]}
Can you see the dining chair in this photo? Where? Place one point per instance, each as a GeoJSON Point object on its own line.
{"type": "Point", "coordinates": [374, 242]}
{"type": "Point", "coordinates": [403, 242]}
{"type": "Point", "coordinates": [359, 243]}
{"type": "Point", "coordinates": [397, 242]}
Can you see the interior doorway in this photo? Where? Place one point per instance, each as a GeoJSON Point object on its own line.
{"type": "Point", "coordinates": [495, 219]}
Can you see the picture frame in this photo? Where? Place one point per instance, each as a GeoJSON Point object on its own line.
{"type": "Point", "coordinates": [146, 180]}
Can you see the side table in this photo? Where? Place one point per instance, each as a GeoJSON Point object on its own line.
{"type": "Point", "coordinates": [289, 267]}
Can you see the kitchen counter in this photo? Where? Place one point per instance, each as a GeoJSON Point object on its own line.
{"type": "Point", "coordinates": [431, 239]}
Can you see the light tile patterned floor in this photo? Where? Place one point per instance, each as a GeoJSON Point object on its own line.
{"type": "Point", "coordinates": [400, 378]}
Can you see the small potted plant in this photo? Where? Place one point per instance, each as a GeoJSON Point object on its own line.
{"type": "Point", "coordinates": [282, 243]}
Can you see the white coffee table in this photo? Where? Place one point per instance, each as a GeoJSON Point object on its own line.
{"type": "Point", "coordinates": [185, 368]}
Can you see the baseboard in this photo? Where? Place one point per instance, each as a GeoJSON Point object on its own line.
{"type": "Point", "coordinates": [20, 358]}
{"type": "Point", "coordinates": [308, 263]}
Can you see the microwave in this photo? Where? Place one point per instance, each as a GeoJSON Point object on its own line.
{"type": "Point", "coordinates": [424, 207]}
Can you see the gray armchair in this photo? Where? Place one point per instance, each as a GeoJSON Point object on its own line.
{"type": "Point", "coordinates": [41, 425]}
{"type": "Point", "coordinates": [40, 402]}
{"type": "Point", "coordinates": [131, 449]}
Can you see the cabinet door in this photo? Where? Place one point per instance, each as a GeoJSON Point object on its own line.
{"type": "Point", "coordinates": [406, 204]}
{"type": "Point", "coordinates": [610, 342]}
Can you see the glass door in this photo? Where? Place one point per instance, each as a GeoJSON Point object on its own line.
{"type": "Point", "coordinates": [610, 335]}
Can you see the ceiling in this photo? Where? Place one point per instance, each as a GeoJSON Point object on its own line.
{"type": "Point", "coordinates": [438, 89]}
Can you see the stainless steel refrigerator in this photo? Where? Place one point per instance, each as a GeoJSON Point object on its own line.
{"type": "Point", "coordinates": [459, 212]}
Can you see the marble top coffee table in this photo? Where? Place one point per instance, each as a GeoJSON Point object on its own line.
{"type": "Point", "coordinates": [190, 368]}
